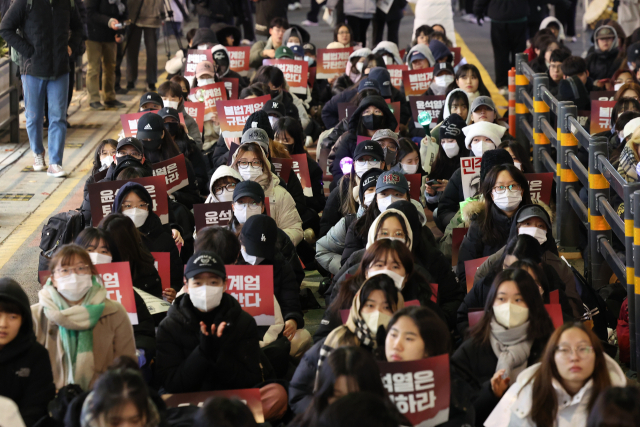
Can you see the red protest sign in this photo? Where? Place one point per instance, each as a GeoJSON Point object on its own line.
{"type": "Point", "coordinates": [232, 85]}
{"type": "Point", "coordinates": [361, 138]}
{"type": "Point", "coordinates": [402, 52]}
{"type": "Point", "coordinates": [233, 114]}
{"type": "Point", "coordinates": [412, 303]}
{"type": "Point", "coordinates": [470, 268]}
{"type": "Point", "coordinates": [210, 94]}
{"type": "Point", "coordinates": [540, 186]}
{"type": "Point", "coordinates": [301, 168]}
{"type": "Point", "coordinates": [555, 312]}
{"type": "Point", "coordinates": [554, 297]}
{"type": "Point", "coordinates": [420, 389]}
{"type": "Point", "coordinates": [583, 118]}
{"type": "Point", "coordinates": [470, 169]}
{"type": "Point", "coordinates": [601, 116]}
{"type": "Point", "coordinates": [433, 104]}
{"type": "Point", "coordinates": [212, 214]}
{"type": "Point", "coordinates": [395, 110]}
{"type": "Point", "coordinates": [295, 73]}
{"type": "Point", "coordinates": [415, 181]}
{"type": "Point", "coordinates": [102, 196]}
{"type": "Point", "coordinates": [332, 62]}
{"type": "Point", "coordinates": [174, 171]}
{"type": "Point", "coordinates": [194, 57]}
{"type": "Point", "coordinates": [249, 396]}
{"type": "Point", "coordinates": [252, 286]}
{"type": "Point", "coordinates": [323, 161]}
{"type": "Point", "coordinates": [282, 167]}
{"type": "Point", "coordinates": [162, 262]}
{"type": "Point", "coordinates": [416, 82]}
{"type": "Point", "coordinates": [239, 58]}
{"type": "Point", "coordinates": [457, 55]}
{"type": "Point", "coordinates": [346, 109]}
{"type": "Point", "coordinates": [474, 317]}
{"type": "Point", "coordinates": [312, 76]}
{"type": "Point", "coordinates": [395, 71]}
{"type": "Point", "coordinates": [456, 241]}
{"type": "Point", "coordinates": [196, 111]}
{"type": "Point", "coordinates": [602, 95]}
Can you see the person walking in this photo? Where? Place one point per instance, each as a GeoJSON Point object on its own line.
{"type": "Point", "coordinates": [51, 32]}
{"type": "Point", "coordinates": [146, 17]}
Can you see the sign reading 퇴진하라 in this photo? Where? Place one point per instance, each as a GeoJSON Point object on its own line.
{"type": "Point", "coordinates": [252, 286]}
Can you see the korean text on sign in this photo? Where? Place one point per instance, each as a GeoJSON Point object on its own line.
{"type": "Point", "coordinates": [252, 286]}
{"type": "Point", "coordinates": [332, 62]}
{"type": "Point", "coordinates": [416, 82]}
{"type": "Point", "coordinates": [601, 115]}
{"type": "Point", "coordinates": [411, 392]}
{"type": "Point", "coordinates": [239, 58]}
{"type": "Point", "coordinates": [433, 104]}
{"type": "Point", "coordinates": [175, 172]}
{"type": "Point", "coordinates": [212, 214]}
{"type": "Point", "coordinates": [233, 114]}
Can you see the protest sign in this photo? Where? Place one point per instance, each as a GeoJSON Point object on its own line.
{"type": "Point", "coordinates": [601, 116]}
{"type": "Point", "coordinates": [282, 167]}
{"type": "Point", "coordinates": [456, 241]}
{"type": "Point", "coordinates": [420, 389]}
{"type": "Point", "coordinates": [416, 82]}
{"type": "Point", "coordinates": [212, 214]}
{"type": "Point", "coordinates": [395, 71]}
{"type": "Point", "coordinates": [249, 396]}
{"type": "Point", "coordinates": [154, 304]}
{"type": "Point", "coordinates": [470, 268]}
{"type": "Point", "coordinates": [239, 58]}
{"type": "Point", "coordinates": [325, 164]}
{"type": "Point", "coordinates": [457, 55]}
{"type": "Point", "coordinates": [295, 73]}
{"type": "Point", "coordinates": [540, 186]}
{"type": "Point", "coordinates": [415, 181]}
{"type": "Point", "coordinates": [210, 94]}
{"type": "Point", "coordinates": [301, 168]}
{"type": "Point", "coordinates": [583, 118]}
{"type": "Point", "coordinates": [432, 104]}
{"type": "Point", "coordinates": [602, 95]}
{"type": "Point", "coordinates": [102, 196]}
{"type": "Point", "coordinates": [233, 114]}
{"type": "Point", "coordinates": [174, 171]}
{"type": "Point", "coordinates": [194, 57]}
{"type": "Point", "coordinates": [432, 151]}
{"type": "Point", "coordinates": [332, 62]}
{"type": "Point", "coordinates": [162, 263]}
{"type": "Point", "coordinates": [470, 169]}
{"type": "Point", "coordinates": [395, 110]}
{"type": "Point", "coordinates": [312, 76]}
{"type": "Point", "coordinates": [196, 111]}
{"type": "Point", "coordinates": [252, 286]}
{"type": "Point", "coordinates": [232, 85]}
{"type": "Point", "coordinates": [346, 109]}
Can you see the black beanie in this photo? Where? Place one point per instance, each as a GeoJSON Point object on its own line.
{"type": "Point", "coordinates": [259, 119]}
{"type": "Point", "coordinates": [452, 128]}
{"type": "Point", "coordinates": [368, 180]}
{"type": "Point", "coordinates": [492, 158]}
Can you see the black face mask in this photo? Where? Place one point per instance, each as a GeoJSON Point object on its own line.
{"type": "Point", "coordinates": [152, 145]}
{"type": "Point", "coordinates": [390, 157]}
{"type": "Point", "coordinates": [172, 128]}
{"type": "Point", "coordinates": [185, 95]}
{"type": "Point", "coordinates": [275, 93]}
{"type": "Point", "coordinates": [122, 159]}
{"type": "Point", "coordinates": [373, 122]}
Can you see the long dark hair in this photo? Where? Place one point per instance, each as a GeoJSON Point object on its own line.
{"type": "Point", "coordinates": [619, 406]}
{"type": "Point", "coordinates": [270, 74]}
{"type": "Point", "coordinates": [92, 235]}
{"type": "Point", "coordinates": [345, 188]}
{"type": "Point", "coordinates": [458, 95]}
{"type": "Point", "coordinates": [224, 412]}
{"type": "Point", "coordinates": [97, 164]}
{"type": "Point", "coordinates": [168, 149]}
{"type": "Point", "coordinates": [540, 324]}
{"type": "Point", "coordinates": [362, 225]}
{"type": "Point", "coordinates": [544, 403]}
{"type": "Point", "coordinates": [540, 276]}
{"type": "Point", "coordinates": [336, 30]}
{"type": "Point", "coordinates": [406, 146]}
{"type": "Point", "coordinates": [294, 129]}
{"type": "Point", "coordinates": [491, 234]}
{"type": "Point", "coordinates": [520, 153]}
{"type": "Point", "coordinates": [433, 330]}
{"type": "Point", "coordinates": [462, 71]}
{"type": "Point", "coordinates": [443, 166]}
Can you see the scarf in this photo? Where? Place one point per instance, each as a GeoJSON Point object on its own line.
{"type": "Point", "coordinates": [628, 163]}
{"type": "Point", "coordinates": [76, 328]}
{"type": "Point", "coordinates": [511, 347]}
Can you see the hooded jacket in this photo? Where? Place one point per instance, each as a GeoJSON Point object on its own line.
{"type": "Point", "coordinates": [446, 112]}
{"type": "Point", "coordinates": [221, 172]}
{"type": "Point", "coordinates": [330, 246]}
{"type": "Point", "coordinates": [204, 36]}
{"type": "Point", "coordinates": [515, 406]}
{"type": "Point", "coordinates": [423, 49]}
{"type": "Point", "coordinates": [25, 368]}
{"type": "Point", "coordinates": [364, 9]}
{"type": "Point", "coordinates": [295, 31]}
{"type": "Point", "coordinates": [219, 53]}
{"type": "Point", "coordinates": [602, 65]}
{"type": "Point", "coordinates": [389, 47]}
{"type": "Point", "coordinates": [189, 362]}
{"type": "Point", "coordinates": [255, 54]}
{"type": "Point", "coordinates": [548, 20]}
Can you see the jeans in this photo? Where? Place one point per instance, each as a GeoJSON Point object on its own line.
{"type": "Point", "coordinates": [101, 53]}
{"type": "Point", "coordinates": [55, 92]}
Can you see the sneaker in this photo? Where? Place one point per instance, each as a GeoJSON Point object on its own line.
{"type": "Point", "coordinates": [573, 39]}
{"type": "Point", "coordinates": [131, 85]}
{"type": "Point", "coordinates": [115, 103]}
{"type": "Point", "coordinates": [121, 90]}
{"type": "Point", "coordinates": [308, 23]}
{"type": "Point", "coordinates": [96, 105]}
{"type": "Point", "coordinates": [38, 162]}
{"type": "Point", "coordinates": [469, 17]}
{"type": "Point", "coordinates": [151, 87]}
{"type": "Point", "coordinates": [56, 171]}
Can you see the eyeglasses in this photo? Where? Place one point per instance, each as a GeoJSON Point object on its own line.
{"type": "Point", "coordinates": [80, 270]}
{"type": "Point", "coordinates": [229, 187]}
{"type": "Point", "coordinates": [255, 163]}
{"type": "Point", "coordinates": [373, 163]}
{"type": "Point", "coordinates": [582, 352]}
{"type": "Point", "coordinates": [390, 146]}
{"type": "Point", "coordinates": [500, 189]}
{"type": "Point", "coordinates": [107, 153]}
{"type": "Point", "coordinates": [126, 206]}
{"type": "Point", "coordinates": [133, 154]}
{"type": "Point", "coordinates": [250, 205]}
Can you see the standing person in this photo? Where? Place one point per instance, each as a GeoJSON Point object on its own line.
{"type": "Point", "coordinates": [50, 34]}
{"type": "Point", "coordinates": [267, 11]}
{"type": "Point", "coordinates": [145, 18]}
{"type": "Point", "coordinates": [508, 32]}
{"type": "Point", "coordinates": [106, 18]}
{"type": "Point", "coordinates": [358, 13]}
{"type": "Point", "coordinates": [430, 13]}
{"type": "Point", "coordinates": [262, 49]}
{"type": "Point", "coordinates": [391, 19]}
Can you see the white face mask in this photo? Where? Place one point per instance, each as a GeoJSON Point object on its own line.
{"type": "Point", "coordinates": [359, 66]}
{"type": "Point", "coordinates": [368, 198]}
{"type": "Point", "coordinates": [510, 315]}
{"type": "Point", "coordinates": [206, 298]}
{"type": "Point", "coordinates": [171, 104]}
{"type": "Point", "coordinates": [250, 173]}
{"type": "Point", "coordinates": [451, 149]}
{"type": "Point", "coordinates": [204, 82]}
{"type": "Point", "coordinates": [507, 201]}
{"type": "Point", "coordinates": [138, 216]}
{"type": "Point", "coordinates": [384, 202]}
{"type": "Point", "coordinates": [409, 169]}
{"type": "Point", "coordinates": [517, 164]}
{"type": "Point", "coordinates": [273, 121]}
{"type": "Point", "coordinates": [538, 233]}
{"type": "Point", "coordinates": [106, 162]}
{"type": "Point", "coordinates": [243, 213]}
{"type": "Point", "coordinates": [397, 279]}
{"type": "Point", "coordinates": [253, 260]}
{"type": "Point", "coordinates": [98, 258]}
{"type": "Point", "coordinates": [375, 320]}
{"type": "Point", "coordinates": [443, 81]}
{"type": "Point", "coordinates": [226, 196]}
{"type": "Point", "coordinates": [617, 86]}
{"type": "Point", "coordinates": [479, 148]}
{"type": "Point", "coordinates": [74, 287]}
{"type": "Point", "coordinates": [361, 169]}
{"type": "Point", "coordinates": [388, 60]}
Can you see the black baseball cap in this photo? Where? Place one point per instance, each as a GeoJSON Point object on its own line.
{"type": "Point", "coordinates": [150, 126]}
{"type": "Point", "coordinates": [534, 211]}
{"type": "Point", "coordinates": [258, 236]}
{"type": "Point", "coordinates": [441, 67]}
{"type": "Point", "coordinates": [369, 148]}
{"type": "Point", "coordinates": [382, 76]}
{"type": "Point", "coordinates": [274, 107]}
{"type": "Point", "coordinates": [169, 112]}
{"type": "Point", "coordinates": [368, 84]}
{"type": "Point", "coordinates": [310, 48]}
{"type": "Point", "coordinates": [205, 262]}
{"type": "Point", "coordinates": [152, 97]}
{"type": "Point", "coordinates": [134, 142]}
{"type": "Point", "coordinates": [248, 189]}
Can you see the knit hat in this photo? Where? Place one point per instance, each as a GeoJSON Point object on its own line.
{"type": "Point", "coordinates": [369, 179]}
{"type": "Point", "coordinates": [631, 127]}
{"type": "Point", "coordinates": [492, 158]}
{"type": "Point", "coordinates": [392, 179]}
{"type": "Point", "coordinates": [205, 262]}
{"type": "Point", "coordinates": [257, 136]}
{"type": "Point", "coordinates": [205, 67]}
{"type": "Point", "coordinates": [440, 50]}
{"type": "Point", "coordinates": [258, 236]}
{"type": "Point", "coordinates": [259, 119]}
{"type": "Point", "coordinates": [489, 130]}
{"type": "Point", "coordinates": [368, 148]}
{"type": "Point", "coordinates": [283, 52]}
{"type": "Point", "coordinates": [452, 128]}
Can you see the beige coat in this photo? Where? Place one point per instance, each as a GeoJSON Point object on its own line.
{"type": "Point", "coordinates": [112, 337]}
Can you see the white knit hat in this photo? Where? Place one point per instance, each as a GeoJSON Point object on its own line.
{"type": "Point", "coordinates": [489, 130]}
{"type": "Point", "coordinates": [630, 127]}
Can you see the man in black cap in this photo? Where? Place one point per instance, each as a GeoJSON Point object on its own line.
{"type": "Point", "coordinates": [275, 110]}
{"type": "Point", "coordinates": [151, 101]}
{"type": "Point", "coordinates": [207, 342]}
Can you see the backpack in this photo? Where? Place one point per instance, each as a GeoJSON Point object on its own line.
{"type": "Point", "coordinates": [61, 229]}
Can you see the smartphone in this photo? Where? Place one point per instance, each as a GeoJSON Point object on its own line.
{"type": "Point", "coordinates": [432, 182]}
{"type": "Point", "coordinates": [119, 26]}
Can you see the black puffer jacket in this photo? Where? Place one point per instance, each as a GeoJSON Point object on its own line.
{"type": "Point", "coordinates": [332, 211]}
{"type": "Point", "coordinates": [49, 28]}
{"type": "Point", "coordinates": [195, 157]}
{"type": "Point", "coordinates": [188, 362]}
{"type": "Point", "coordinates": [99, 12]}
{"type": "Point", "coordinates": [602, 65]}
{"type": "Point", "coordinates": [145, 331]}
{"type": "Point", "coordinates": [157, 238]}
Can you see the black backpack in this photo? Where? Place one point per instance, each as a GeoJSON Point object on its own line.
{"type": "Point", "coordinates": [61, 229]}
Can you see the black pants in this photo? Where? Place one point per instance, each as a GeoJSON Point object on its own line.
{"type": "Point", "coordinates": [507, 39]}
{"type": "Point", "coordinates": [393, 27]}
{"type": "Point", "coordinates": [133, 50]}
{"type": "Point", "coordinates": [359, 27]}
{"type": "Point", "coordinates": [312, 15]}
{"type": "Point", "coordinates": [468, 6]}
{"type": "Point", "coordinates": [568, 18]}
